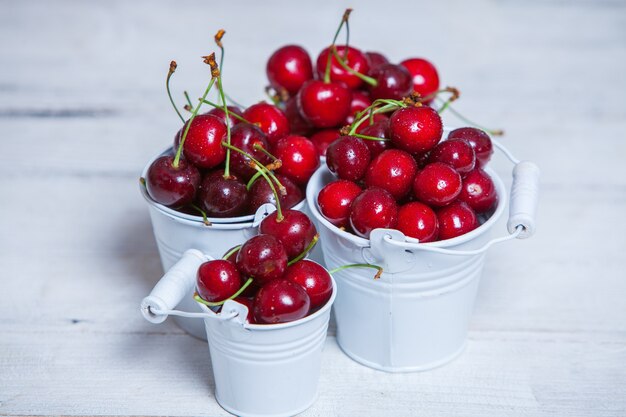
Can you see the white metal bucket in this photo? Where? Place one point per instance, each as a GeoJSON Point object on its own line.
{"type": "Point", "coordinates": [415, 317]}
{"type": "Point", "coordinates": [259, 370]}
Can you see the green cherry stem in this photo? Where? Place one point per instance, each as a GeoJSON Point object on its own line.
{"type": "Point", "coordinates": [230, 252]}
{"type": "Point", "coordinates": [188, 99]}
{"type": "Point", "coordinates": [279, 216]}
{"type": "Point", "coordinates": [201, 300]}
{"type": "Point", "coordinates": [256, 164]}
{"type": "Point", "coordinates": [344, 19]}
{"type": "Point", "coordinates": [173, 66]}
{"type": "Point", "coordinates": [378, 274]}
{"type": "Point", "coordinates": [226, 113]}
{"type": "Point", "coordinates": [357, 135]}
{"type": "Point", "coordinates": [205, 219]}
{"type": "Point", "coordinates": [235, 115]}
{"type": "Point", "coordinates": [259, 147]}
{"type": "Point", "coordinates": [360, 121]}
{"type": "Point", "coordinates": [369, 80]}
{"type": "Point", "coordinates": [304, 253]}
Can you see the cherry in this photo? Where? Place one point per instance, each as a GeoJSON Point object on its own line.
{"type": "Point", "coordinates": [288, 68]}
{"type": "Point", "coordinates": [479, 191]}
{"type": "Point", "coordinates": [348, 158]}
{"type": "Point", "coordinates": [421, 159]}
{"type": "Point", "coordinates": [437, 184]}
{"type": "Point", "coordinates": [457, 153]}
{"type": "Point", "coordinates": [423, 74]}
{"type": "Point", "coordinates": [415, 129]}
{"type": "Point", "coordinates": [299, 158]}
{"type": "Point", "coordinates": [261, 193]}
{"type": "Point", "coordinates": [270, 119]}
{"type": "Point", "coordinates": [418, 221]}
{"type": "Point", "coordinates": [295, 230]}
{"type": "Point", "coordinates": [323, 138]}
{"type": "Point", "coordinates": [217, 280]}
{"type": "Point", "coordinates": [335, 200]}
{"type": "Point", "coordinates": [376, 60]}
{"type": "Point", "coordinates": [353, 57]}
{"type": "Point", "coordinates": [298, 125]}
{"type": "Point", "coordinates": [360, 101]}
{"type": "Point", "coordinates": [203, 144]}
{"type": "Point", "coordinates": [374, 208]}
{"type": "Point", "coordinates": [248, 302]}
{"type": "Point", "coordinates": [378, 129]}
{"type": "Point", "coordinates": [222, 197]}
{"type": "Point", "coordinates": [219, 113]}
{"type": "Point", "coordinates": [171, 186]}
{"type": "Point", "coordinates": [244, 136]}
{"type": "Point", "coordinates": [392, 170]}
{"type": "Point", "coordinates": [263, 258]}
{"type": "Point", "coordinates": [479, 140]}
{"type": "Point", "coordinates": [314, 279]}
{"type": "Point", "coordinates": [392, 82]}
{"type": "Point", "coordinates": [455, 220]}
{"type": "Point", "coordinates": [324, 104]}
{"type": "Point", "coordinates": [281, 301]}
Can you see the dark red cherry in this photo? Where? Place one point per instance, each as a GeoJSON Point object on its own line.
{"type": "Point", "coordinates": [248, 302]}
{"type": "Point", "coordinates": [295, 231]}
{"type": "Point", "coordinates": [479, 140]}
{"type": "Point", "coordinates": [323, 138]}
{"type": "Point", "coordinates": [479, 191]}
{"type": "Point", "coordinates": [418, 221]}
{"type": "Point", "coordinates": [263, 258]}
{"type": "Point", "coordinates": [437, 184]}
{"type": "Point", "coordinates": [348, 158]}
{"type": "Point", "coordinates": [376, 60]}
{"type": "Point", "coordinates": [217, 280]}
{"type": "Point", "coordinates": [299, 158]}
{"type": "Point", "coordinates": [374, 208]}
{"type": "Point", "coordinates": [376, 130]}
{"type": "Point", "coordinates": [455, 220]}
{"type": "Point", "coordinates": [270, 119]}
{"type": "Point", "coordinates": [288, 68]}
{"type": "Point", "coordinates": [261, 193]}
{"type": "Point", "coordinates": [172, 187]}
{"type": "Point", "coordinates": [353, 57]}
{"type": "Point", "coordinates": [423, 75]}
{"type": "Point", "coordinates": [421, 159]}
{"type": "Point", "coordinates": [219, 113]}
{"type": "Point", "coordinates": [298, 125]}
{"type": "Point", "coordinates": [415, 129]}
{"type": "Point", "coordinates": [393, 82]}
{"type": "Point", "coordinates": [314, 279]}
{"type": "Point", "coordinates": [244, 136]}
{"type": "Point", "coordinates": [324, 105]}
{"type": "Point", "coordinates": [335, 200]}
{"type": "Point", "coordinates": [203, 144]}
{"type": "Point", "coordinates": [360, 102]}
{"type": "Point", "coordinates": [223, 197]}
{"type": "Point", "coordinates": [281, 301]}
{"type": "Point", "coordinates": [393, 170]}
{"type": "Point", "coordinates": [457, 153]}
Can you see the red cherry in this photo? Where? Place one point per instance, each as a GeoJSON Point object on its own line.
{"type": "Point", "coordinates": [455, 220]}
{"type": "Point", "coordinates": [295, 231]}
{"type": "Point", "coordinates": [270, 119]}
{"type": "Point", "coordinates": [217, 280]}
{"type": "Point", "coordinates": [314, 279]}
{"type": "Point", "coordinates": [479, 140]}
{"type": "Point", "coordinates": [288, 68]}
{"type": "Point", "coordinates": [457, 153]}
{"type": "Point", "coordinates": [281, 301]}
{"type": "Point", "coordinates": [348, 158]}
{"type": "Point", "coordinates": [360, 102]}
{"type": "Point", "coordinates": [376, 130]}
{"type": "Point", "coordinates": [263, 258]}
{"type": "Point", "coordinates": [415, 129]}
{"type": "Point", "coordinates": [353, 57]}
{"type": "Point", "coordinates": [479, 191]}
{"type": "Point", "coordinates": [248, 302]}
{"type": "Point", "coordinates": [223, 197]}
{"type": "Point", "coordinates": [323, 138]}
{"type": "Point", "coordinates": [437, 184]}
{"type": "Point", "coordinates": [219, 113]}
{"type": "Point", "coordinates": [335, 200]}
{"type": "Point", "coordinates": [376, 60]}
{"type": "Point", "coordinates": [244, 136]}
{"type": "Point", "coordinates": [392, 170]}
{"type": "Point", "coordinates": [261, 193]}
{"type": "Point", "coordinates": [393, 82]}
{"type": "Point", "coordinates": [173, 187]}
{"type": "Point", "coordinates": [374, 208]}
{"type": "Point", "coordinates": [298, 125]}
{"type": "Point", "coordinates": [423, 74]}
{"type": "Point", "coordinates": [299, 158]}
{"type": "Point", "coordinates": [324, 105]}
{"type": "Point", "coordinates": [418, 221]}
{"type": "Point", "coordinates": [203, 144]}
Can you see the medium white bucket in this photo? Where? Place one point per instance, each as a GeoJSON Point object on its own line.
{"type": "Point", "coordinates": [415, 317]}
{"type": "Point", "coordinates": [259, 370]}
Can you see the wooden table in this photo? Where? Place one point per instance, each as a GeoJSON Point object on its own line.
{"type": "Point", "coordinates": [83, 107]}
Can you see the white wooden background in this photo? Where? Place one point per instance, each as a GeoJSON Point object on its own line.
{"type": "Point", "coordinates": [83, 107]}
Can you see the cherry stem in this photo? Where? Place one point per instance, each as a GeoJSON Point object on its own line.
{"type": "Point", "coordinates": [142, 181]}
{"type": "Point", "coordinates": [304, 253]}
{"type": "Point", "coordinates": [205, 219]}
{"type": "Point", "coordinates": [279, 216]}
{"type": "Point", "coordinates": [225, 108]}
{"type": "Point", "coordinates": [260, 147]}
{"type": "Point", "coordinates": [344, 19]}
{"type": "Point", "coordinates": [359, 119]}
{"type": "Point", "coordinates": [235, 115]}
{"type": "Point", "coordinates": [377, 276]}
{"type": "Point", "coordinates": [230, 252]}
{"type": "Point", "coordinates": [201, 300]}
{"type": "Point", "coordinates": [167, 86]}
{"type": "Point", "coordinates": [255, 163]}
{"type": "Point", "coordinates": [188, 99]}
{"type": "Point", "coordinates": [492, 132]}
{"type": "Point", "coordinates": [369, 80]}
{"type": "Point", "coordinates": [357, 135]}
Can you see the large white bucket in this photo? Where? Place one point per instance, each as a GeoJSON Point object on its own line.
{"type": "Point", "coordinates": [259, 370]}
{"type": "Point", "coordinates": [415, 317]}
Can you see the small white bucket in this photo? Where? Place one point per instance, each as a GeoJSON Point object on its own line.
{"type": "Point", "coordinates": [259, 370]}
{"type": "Point", "coordinates": [415, 317]}
{"type": "Point", "coordinates": [175, 232]}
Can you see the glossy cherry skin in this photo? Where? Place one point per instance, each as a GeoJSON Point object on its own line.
{"type": "Point", "coordinates": [270, 119]}
{"type": "Point", "coordinates": [415, 129]}
{"type": "Point", "coordinates": [348, 158]}
{"type": "Point", "coordinates": [299, 158]}
{"type": "Point", "coordinates": [244, 136]}
{"type": "Point", "coordinates": [360, 102]}
{"type": "Point", "coordinates": [376, 60]}
{"type": "Point", "coordinates": [324, 105]}
{"type": "Point", "coordinates": [261, 193]}
{"type": "Point", "coordinates": [354, 58]}
{"type": "Point", "coordinates": [219, 113]}
{"type": "Point", "coordinates": [323, 138]}
{"type": "Point", "coordinates": [374, 208]}
{"type": "Point", "coordinates": [418, 221]}
{"type": "Point", "coordinates": [335, 200]}
{"type": "Point", "coordinates": [457, 153]}
{"type": "Point", "coordinates": [172, 187]}
{"type": "Point", "coordinates": [437, 184]}
{"type": "Point", "coordinates": [314, 279]}
{"type": "Point", "coordinates": [248, 302]}
{"type": "Point", "coordinates": [263, 258]}
{"type": "Point", "coordinates": [203, 144]}
{"type": "Point", "coordinates": [376, 130]}
{"type": "Point", "coordinates": [222, 197]}
{"type": "Point", "coordinates": [295, 231]}
{"type": "Point", "coordinates": [217, 280]}
{"type": "Point", "coordinates": [393, 170]}
{"type": "Point", "coordinates": [281, 301]}
{"type": "Point", "coordinates": [479, 140]}
{"type": "Point", "coordinates": [455, 220]}
{"type": "Point", "coordinates": [479, 191]}
{"type": "Point", "coordinates": [423, 75]}
{"type": "Point", "coordinates": [288, 68]}
{"type": "Point", "coordinates": [392, 81]}
{"type": "Point", "coordinates": [298, 125]}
